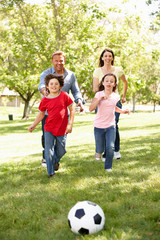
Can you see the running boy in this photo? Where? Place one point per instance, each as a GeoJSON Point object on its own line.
{"type": "Point", "coordinates": [104, 123]}
{"type": "Point", "coordinates": [57, 125]}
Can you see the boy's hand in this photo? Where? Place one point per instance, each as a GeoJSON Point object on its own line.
{"type": "Point", "coordinates": [69, 128]}
{"type": "Point", "coordinates": [31, 128]}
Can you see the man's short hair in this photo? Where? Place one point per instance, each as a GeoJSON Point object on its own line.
{"type": "Point", "coordinates": [58, 53]}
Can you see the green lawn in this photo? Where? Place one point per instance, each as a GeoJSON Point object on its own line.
{"type": "Point", "coordinates": [33, 207]}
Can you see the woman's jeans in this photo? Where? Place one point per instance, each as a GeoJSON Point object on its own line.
{"type": "Point", "coordinates": [117, 140]}
{"type": "Point", "coordinates": [105, 139]}
{"type": "Point", "coordinates": [54, 150]}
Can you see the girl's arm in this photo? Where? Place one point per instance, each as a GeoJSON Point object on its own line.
{"type": "Point", "coordinates": [38, 119]}
{"type": "Point", "coordinates": [119, 110]}
{"type": "Point", "coordinates": [71, 119]}
{"type": "Point", "coordinates": [95, 103]}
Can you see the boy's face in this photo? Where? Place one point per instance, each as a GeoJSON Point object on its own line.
{"type": "Point", "coordinates": [54, 85]}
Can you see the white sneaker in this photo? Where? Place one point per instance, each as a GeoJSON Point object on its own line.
{"type": "Point", "coordinates": [44, 164]}
{"type": "Point", "coordinates": [103, 159]}
{"type": "Point", "coordinates": [109, 170]}
{"type": "Point", "coordinates": [117, 155]}
{"type": "Point", "coordinates": [98, 156]}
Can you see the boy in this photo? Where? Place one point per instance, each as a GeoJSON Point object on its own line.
{"type": "Point", "coordinates": [57, 125]}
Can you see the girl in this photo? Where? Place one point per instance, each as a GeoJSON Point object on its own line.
{"type": "Point", "coordinates": [104, 123]}
{"type": "Point", "coordinates": [57, 126]}
{"type": "Point", "coordinates": [106, 65]}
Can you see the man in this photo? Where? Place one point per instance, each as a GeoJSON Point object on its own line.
{"type": "Point", "coordinates": [70, 83]}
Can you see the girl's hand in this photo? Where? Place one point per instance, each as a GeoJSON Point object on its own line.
{"type": "Point", "coordinates": [126, 111]}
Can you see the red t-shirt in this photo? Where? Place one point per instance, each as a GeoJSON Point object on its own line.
{"type": "Point", "coordinates": [57, 119]}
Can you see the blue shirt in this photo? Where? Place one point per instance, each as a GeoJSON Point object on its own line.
{"type": "Point", "coordinates": [70, 83]}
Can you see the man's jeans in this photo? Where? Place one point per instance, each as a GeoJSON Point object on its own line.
{"type": "Point", "coordinates": [105, 139]}
{"type": "Point", "coordinates": [54, 150]}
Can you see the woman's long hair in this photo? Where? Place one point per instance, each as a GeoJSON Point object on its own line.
{"type": "Point", "coordinates": [101, 87]}
{"type": "Point", "coordinates": [101, 62]}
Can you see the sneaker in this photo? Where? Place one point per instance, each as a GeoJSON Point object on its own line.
{"type": "Point", "coordinates": [103, 159]}
{"type": "Point", "coordinates": [98, 156]}
{"type": "Point", "coordinates": [109, 170]}
{"type": "Point", "coordinates": [117, 155]}
{"type": "Point", "coordinates": [56, 166]}
{"type": "Point", "coordinates": [44, 164]}
{"type": "Point", "coordinates": [49, 176]}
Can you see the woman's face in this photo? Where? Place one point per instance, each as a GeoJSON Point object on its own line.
{"type": "Point", "coordinates": [107, 57]}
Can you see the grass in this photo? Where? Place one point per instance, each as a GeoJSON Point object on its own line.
{"type": "Point", "coordinates": [33, 207]}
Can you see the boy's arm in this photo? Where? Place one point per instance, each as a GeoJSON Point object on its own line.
{"type": "Point", "coordinates": [119, 110]}
{"type": "Point", "coordinates": [38, 119]}
{"type": "Point", "coordinates": [71, 119]}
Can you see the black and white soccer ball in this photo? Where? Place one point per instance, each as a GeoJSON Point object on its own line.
{"type": "Point", "coordinates": [86, 217]}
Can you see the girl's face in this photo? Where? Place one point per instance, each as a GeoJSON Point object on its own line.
{"type": "Point", "coordinates": [109, 83]}
{"type": "Point", "coordinates": [54, 85]}
{"type": "Point", "coordinates": [107, 57]}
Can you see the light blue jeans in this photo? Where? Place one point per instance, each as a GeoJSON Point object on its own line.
{"type": "Point", "coordinates": [104, 140]}
{"type": "Point", "coordinates": [54, 150]}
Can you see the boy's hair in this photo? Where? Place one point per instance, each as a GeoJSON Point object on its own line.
{"type": "Point", "coordinates": [59, 53]}
{"type": "Point", "coordinates": [101, 87]}
{"type": "Point", "coordinates": [51, 76]}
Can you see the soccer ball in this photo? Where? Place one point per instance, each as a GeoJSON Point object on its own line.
{"type": "Point", "coordinates": [86, 217]}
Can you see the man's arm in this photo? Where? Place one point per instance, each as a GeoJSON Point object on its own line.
{"type": "Point", "coordinates": [41, 86]}
{"type": "Point", "coordinates": [76, 93]}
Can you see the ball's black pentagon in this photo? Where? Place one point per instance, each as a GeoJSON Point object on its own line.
{"type": "Point", "coordinates": [69, 223]}
{"type": "Point", "coordinates": [79, 213]}
{"type": "Point", "coordinates": [97, 219]}
{"type": "Point", "coordinates": [83, 231]}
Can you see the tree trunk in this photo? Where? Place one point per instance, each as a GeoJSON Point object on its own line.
{"type": "Point", "coordinates": [154, 106]}
{"type": "Point", "coordinates": [25, 111]}
{"type": "Point", "coordinates": [134, 102]}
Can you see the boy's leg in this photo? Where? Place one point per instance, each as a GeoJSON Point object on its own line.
{"type": "Point", "coordinates": [50, 152]}
{"type": "Point", "coordinates": [110, 139]}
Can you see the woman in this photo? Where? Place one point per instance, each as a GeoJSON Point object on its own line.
{"type": "Point", "coordinates": [106, 65]}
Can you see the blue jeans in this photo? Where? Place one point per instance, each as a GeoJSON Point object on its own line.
{"type": "Point", "coordinates": [104, 140]}
{"type": "Point", "coordinates": [54, 150]}
{"type": "Point", "coordinates": [43, 135]}
{"type": "Point", "coordinates": [117, 140]}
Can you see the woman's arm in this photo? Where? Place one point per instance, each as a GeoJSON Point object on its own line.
{"type": "Point", "coordinates": [125, 86]}
{"type": "Point", "coordinates": [95, 84]}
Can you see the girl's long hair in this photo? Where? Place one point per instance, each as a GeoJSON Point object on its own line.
{"type": "Point", "coordinates": [101, 62]}
{"type": "Point", "coordinates": [101, 87]}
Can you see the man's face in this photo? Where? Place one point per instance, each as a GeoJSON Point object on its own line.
{"type": "Point", "coordinates": [58, 63]}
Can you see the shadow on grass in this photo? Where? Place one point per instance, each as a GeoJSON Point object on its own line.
{"type": "Point", "coordinates": [8, 127]}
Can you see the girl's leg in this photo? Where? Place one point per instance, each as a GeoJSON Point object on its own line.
{"type": "Point", "coordinates": [110, 139]}
{"type": "Point", "coordinates": [50, 152]}
{"type": "Point", "coordinates": [99, 134]}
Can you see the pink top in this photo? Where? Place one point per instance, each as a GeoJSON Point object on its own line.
{"type": "Point", "coordinates": [106, 110]}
